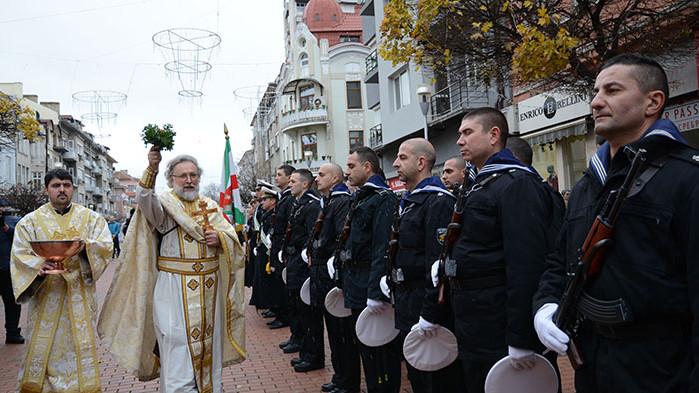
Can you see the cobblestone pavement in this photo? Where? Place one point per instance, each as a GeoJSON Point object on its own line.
{"type": "Point", "coordinates": [266, 369]}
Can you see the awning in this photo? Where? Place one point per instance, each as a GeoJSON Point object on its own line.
{"type": "Point", "coordinates": [291, 87]}
{"type": "Point", "coordinates": [550, 135]}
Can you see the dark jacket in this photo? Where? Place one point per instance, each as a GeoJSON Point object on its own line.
{"type": "Point", "coordinates": [301, 221]}
{"type": "Point", "coordinates": [424, 212]}
{"type": "Point", "coordinates": [500, 255]}
{"type": "Point", "coordinates": [6, 242]}
{"type": "Point", "coordinates": [653, 265]}
{"type": "Point", "coordinates": [370, 232]}
{"type": "Point", "coordinates": [281, 218]}
{"type": "Point", "coordinates": [334, 212]}
{"type": "Point", "coordinates": [268, 289]}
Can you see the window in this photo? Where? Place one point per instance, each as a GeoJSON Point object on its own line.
{"type": "Point", "coordinates": [37, 178]}
{"type": "Point", "coordinates": [317, 16]}
{"type": "Point", "coordinates": [306, 95]}
{"type": "Point", "coordinates": [356, 139]}
{"type": "Point", "coordinates": [401, 90]}
{"type": "Point", "coordinates": [335, 17]}
{"type": "Point", "coordinates": [303, 63]}
{"type": "Point", "coordinates": [354, 95]}
{"type": "Point", "coordinates": [309, 146]}
{"type": "Point", "coordinates": [349, 38]}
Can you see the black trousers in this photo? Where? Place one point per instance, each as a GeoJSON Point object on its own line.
{"type": "Point", "coordinates": [292, 301]}
{"type": "Point", "coordinates": [344, 352]}
{"type": "Point", "coordinates": [12, 309]}
{"type": "Point", "coordinates": [474, 375]}
{"type": "Point", "coordinates": [381, 364]}
{"type": "Point", "coordinates": [117, 249]}
{"type": "Point", "coordinates": [312, 344]}
{"type": "Point", "coordinates": [447, 380]}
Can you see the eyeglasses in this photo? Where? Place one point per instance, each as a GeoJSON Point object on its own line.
{"type": "Point", "coordinates": [184, 176]}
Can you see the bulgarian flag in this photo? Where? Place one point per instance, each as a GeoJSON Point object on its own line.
{"type": "Point", "coordinates": [229, 198]}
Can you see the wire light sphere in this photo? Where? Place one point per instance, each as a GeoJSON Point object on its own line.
{"type": "Point", "coordinates": [188, 52]}
{"type": "Point", "coordinates": [102, 104]}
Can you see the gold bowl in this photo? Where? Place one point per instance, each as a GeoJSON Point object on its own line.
{"type": "Point", "coordinates": [56, 251]}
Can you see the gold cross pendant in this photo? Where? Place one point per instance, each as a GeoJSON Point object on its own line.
{"type": "Point", "coordinates": [204, 212]}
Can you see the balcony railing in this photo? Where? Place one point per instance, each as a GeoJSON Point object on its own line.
{"type": "Point", "coordinates": [69, 156]}
{"type": "Point", "coordinates": [297, 118]}
{"type": "Point", "coordinates": [456, 98]}
{"type": "Point", "coordinates": [375, 136]}
{"type": "Point", "coordinates": [371, 62]}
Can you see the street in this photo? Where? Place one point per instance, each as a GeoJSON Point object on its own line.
{"type": "Point", "coordinates": [266, 369]}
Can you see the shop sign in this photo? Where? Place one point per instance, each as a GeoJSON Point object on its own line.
{"type": "Point", "coordinates": [549, 109]}
{"type": "Point", "coordinates": [396, 184]}
{"type": "Point", "coordinates": [685, 116]}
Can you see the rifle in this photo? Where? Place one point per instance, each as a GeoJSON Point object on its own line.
{"type": "Point", "coordinates": [287, 234]}
{"type": "Point", "coordinates": [391, 254]}
{"type": "Point", "coordinates": [591, 255]}
{"type": "Point", "coordinates": [453, 230]}
{"type": "Point", "coordinates": [315, 234]}
{"type": "Point", "coordinates": [344, 235]}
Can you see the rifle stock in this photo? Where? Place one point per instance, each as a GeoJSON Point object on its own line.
{"type": "Point", "coordinates": [337, 263]}
{"type": "Point", "coordinates": [392, 251]}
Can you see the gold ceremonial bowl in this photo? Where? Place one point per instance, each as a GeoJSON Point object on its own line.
{"type": "Point", "coordinates": [56, 251]}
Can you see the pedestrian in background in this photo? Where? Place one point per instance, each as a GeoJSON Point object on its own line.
{"type": "Point", "coordinates": [12, 309]}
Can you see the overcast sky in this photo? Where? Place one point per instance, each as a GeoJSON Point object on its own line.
{"type": "Point", "coordinates": [57, 48]}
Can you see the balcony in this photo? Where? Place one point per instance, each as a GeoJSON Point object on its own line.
{"type": "Point", "coordinates": [60, 148]}
{"type": "Point", "coordinates": [87, 164]}
{"type": "Point", "coordinates": [69, 156]}
{"type": "Point", "coordinates": [312, 165]}
{"type": "Point", "coordinates": [89, 188]}
{"type": "Point", "coordinates": [304, 117]}
{"type": "Point", "coordinates": [375, 136]}
{"type": "Point", "coordinates": [457, 99]}
{"type": "Point", "coordinates": [97, 191]}
{"type": "Point", "coordinates": [372, 70]}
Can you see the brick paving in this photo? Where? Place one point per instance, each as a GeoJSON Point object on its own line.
{"type": "Point", "coordinates": [266, 369]}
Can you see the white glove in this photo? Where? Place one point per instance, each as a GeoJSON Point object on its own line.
{"type": "Point", "coordinates": [280, 257]}
{"type": "Point", "coordinates": [434, 272]}
{"type": "Point", "coordinates": [254, 251]}
{"type": "Point", "coordinates": [549, 334]}
{"type": "Point", "coordinates": [384, 286]}
{"type": "Point", "coordinates": [425, 327]}
{"type": "Point", "coordinates": [304, 256]}
{"type": "Point", "coordinates": [521, 359]}
{"type": "Point", "coordinates": [331, 267]}
{"type": "Point", "coordinates": [376, 306]}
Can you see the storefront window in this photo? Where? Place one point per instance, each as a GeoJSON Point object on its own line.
{"type": "Point", "coordinates": [575, 157]}
{"type": "Point", "coordinates": [544, 155]}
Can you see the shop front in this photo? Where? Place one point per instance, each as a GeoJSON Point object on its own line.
{"type": "Point", "coordinates": [557, 125]}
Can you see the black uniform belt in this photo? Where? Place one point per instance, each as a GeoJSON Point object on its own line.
{"type": "Point", "coordinates": [410, 284]}
{"type": "Point", "coordinates": [357, 264]}
{"type": "Point", "coordinates": [643, 330]}
{"type": "Point", "coordinates": [463, 284]}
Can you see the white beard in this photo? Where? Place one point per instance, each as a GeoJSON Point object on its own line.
{"type": "Point", "coordinates": [187, 195]}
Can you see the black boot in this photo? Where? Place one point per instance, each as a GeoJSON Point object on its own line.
{"type": "Point", "coordinates": [14, 337]}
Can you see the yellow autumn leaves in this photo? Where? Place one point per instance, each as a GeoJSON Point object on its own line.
{"type": "Point", "coordinates": [12, 114]}
{"type": "Point", "coordinates": [428, 32]}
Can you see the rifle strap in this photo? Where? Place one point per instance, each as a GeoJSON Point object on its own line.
{"type": "Point", "coordinates": [647, 174]}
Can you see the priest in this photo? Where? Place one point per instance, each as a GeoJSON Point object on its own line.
{"type": "Point", "coordinates": [61, 355]}
{"type": "Point", "coordinates": [175, 308]}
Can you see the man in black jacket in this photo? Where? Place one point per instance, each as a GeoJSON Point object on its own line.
{"type": "Point", "coordinates": [280, 220]}
{"type": "Point", "coordinates": [509, 218]}
{"type": "Point", "coordinates": [322, 244]}
{"type": "Point", "coordinates": [651, 268]}
{"type": "Point", "coordinates": [364, 265]}
{"type": "Point", "coordinates": [426, 210]}
{"type": "Point", "coordinates": [301, 222]}
{"type": "Point", "coordinates": [12, 309]}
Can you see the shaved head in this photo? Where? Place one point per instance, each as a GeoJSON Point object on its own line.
{"type": "Point", "coordinates": [334, 170]}
{"type": "Point", "coordinates": [422, 147]}
{"type": "Point", "coordinates": [457, 162]}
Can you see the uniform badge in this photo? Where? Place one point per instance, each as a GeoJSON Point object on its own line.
{"type": "Point", "coordinates": [441, 235]}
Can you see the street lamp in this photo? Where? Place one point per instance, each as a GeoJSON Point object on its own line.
{"type": "Point", "coordinates": [423, 96]}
